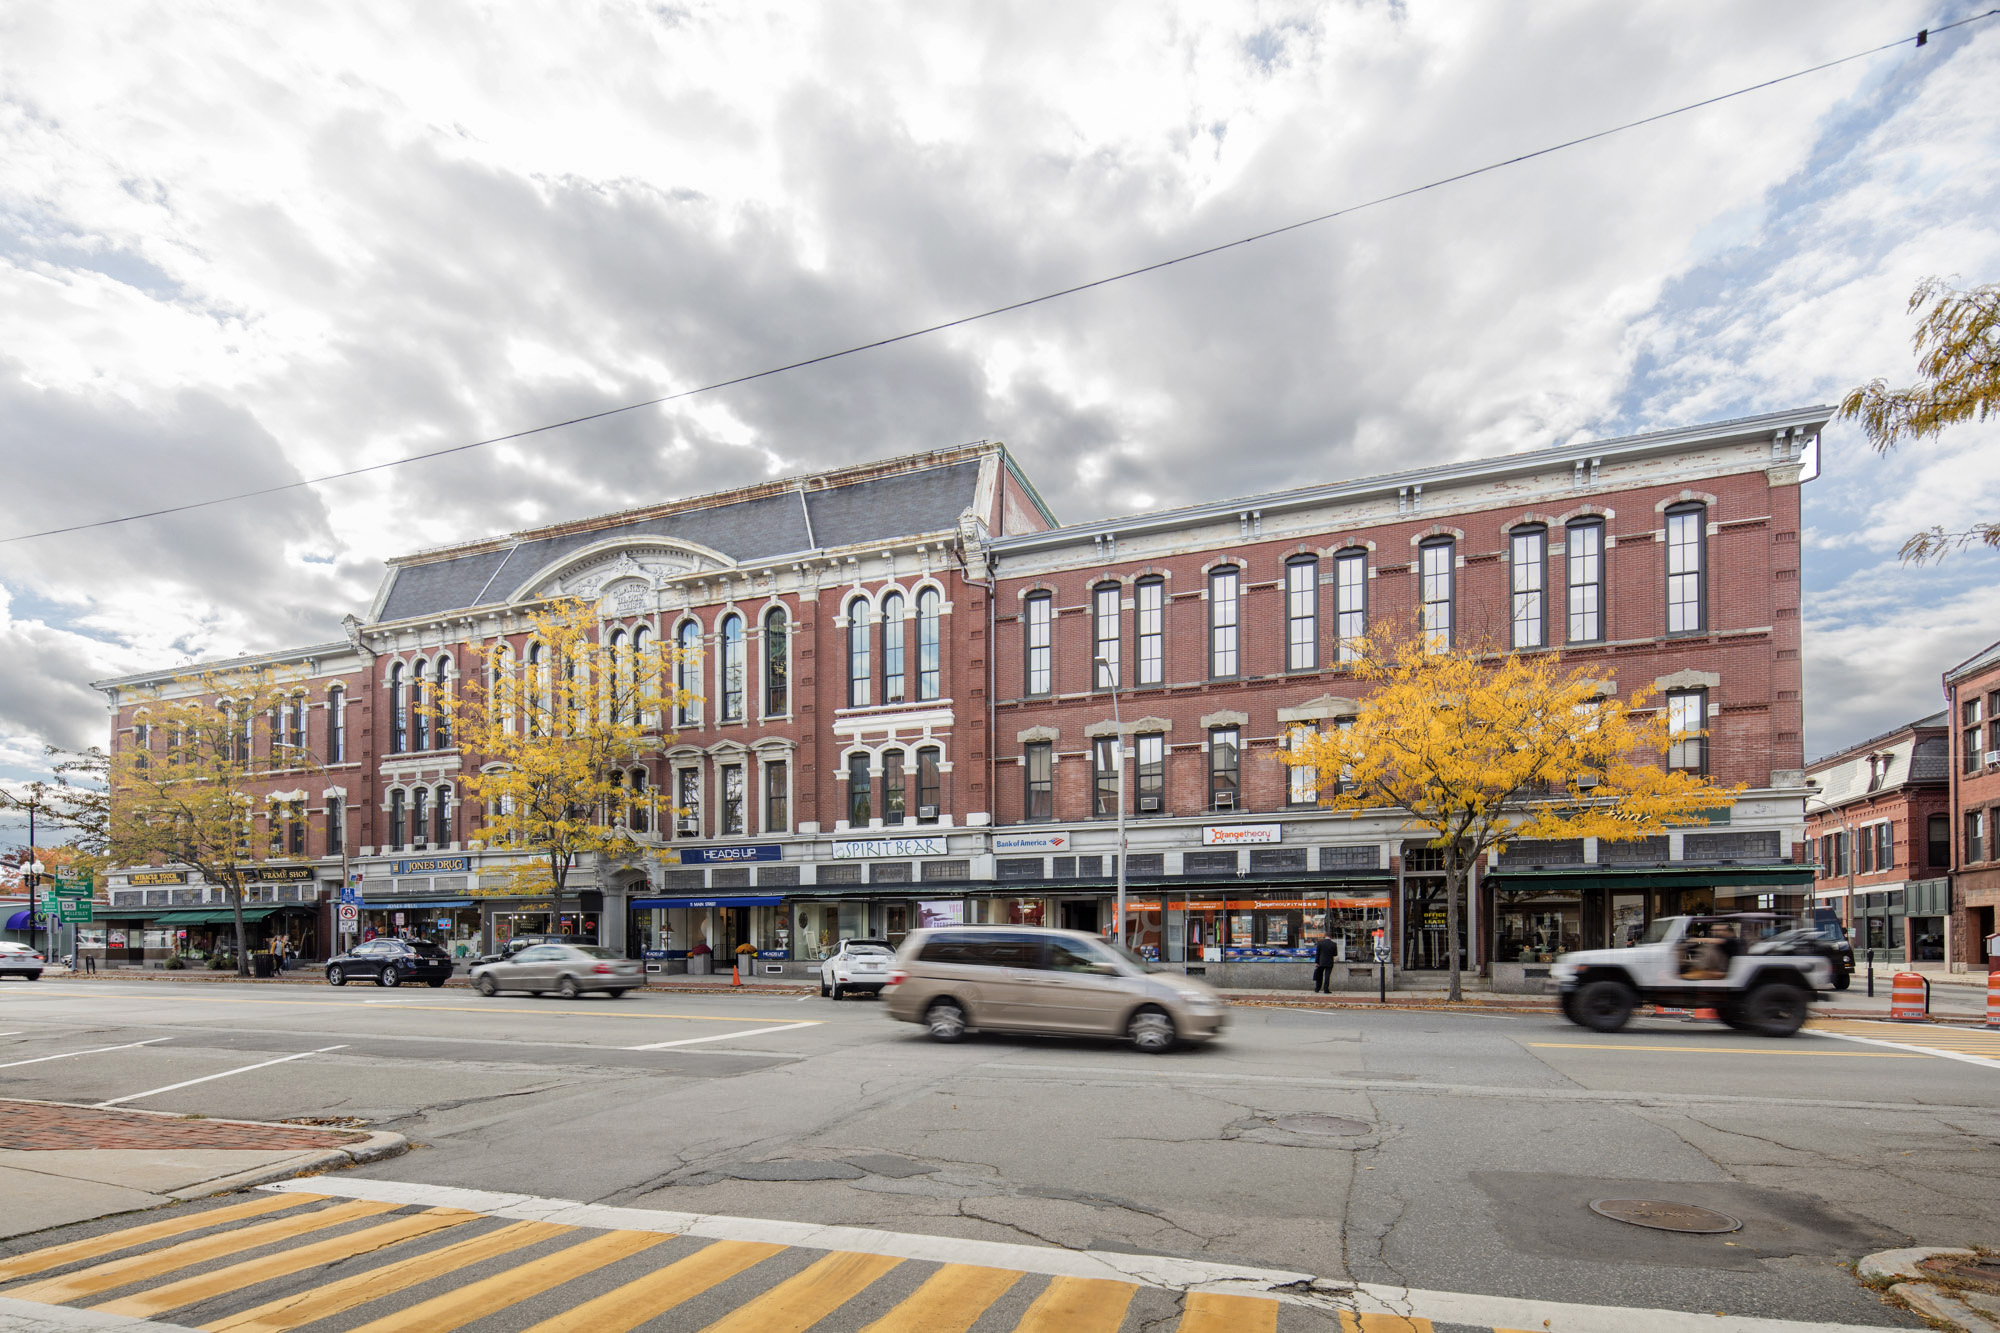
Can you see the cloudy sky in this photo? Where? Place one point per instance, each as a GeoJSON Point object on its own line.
{"type": "Point", "coordinates": [238, 249]}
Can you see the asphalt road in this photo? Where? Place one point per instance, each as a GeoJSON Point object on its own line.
{"type": "Point", "coordinates": [1471, 1148]}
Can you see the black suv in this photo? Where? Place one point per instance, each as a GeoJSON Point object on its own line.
{"type": "Point", "coordinates": [391, 963]}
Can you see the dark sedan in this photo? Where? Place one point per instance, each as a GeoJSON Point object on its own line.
{"type": "Point", "coordinates": [391, 963]}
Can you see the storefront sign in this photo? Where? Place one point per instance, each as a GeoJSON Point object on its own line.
{"type": "Point", "coordinates": [431, 865]}
{"type": "Point", "coordinates": [117, 939]}
{"type": "Point", "coordinates": [158, 877]}
{"type": "Point", "coordinates": [1031, 842]}
{"type": "Point", "coordinates": [1256, 904]}
{"type": "Point", "coordinates": [722, 856]}
{"type": "Point", "coordinates": [1236, 835]}
{"type": "Point", "coordinates": [73, 910]}
{"type": "Point", "coordinates": [282, 875]}
{"type": "Point", "coordinates": [867, 847]}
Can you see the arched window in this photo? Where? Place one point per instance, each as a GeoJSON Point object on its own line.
{"type": "Point", "coordinates": [858, 632]}
{"type": "Point", "coordinates": [859, 783]}
{"type": "Point", "coordinates": [420, 801]}
{"type": "Point", "coordinates": [441, 816]}
{"type": "Point", "coordinates": [444, 702]}
{"type": "Point", "coordinates": [930, 677]}
{"type": "Point", "coordinates": [1038, 615]}
{"type": "Point", "coordinates": [893, 689]}
{"type": "Point", "coordinates": [536, 692]}
{"type": "Point", "coordinates": [777, 666]}
{"type": "Point", "coordinates": [420, 722]}
{"type": "Point", "coordinates": [892, 787]}
{"type": "Point", "coordinates": [396, 825]}
{"type": "Point", "coordinates": [733, 703]}
{"type": "Point", "coordinates": [399, 721]}
{"type": "Point", "coordinates": [687, 673]}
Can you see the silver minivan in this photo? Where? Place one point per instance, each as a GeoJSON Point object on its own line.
{"type": "Point", "coordinates": [1023, 979]}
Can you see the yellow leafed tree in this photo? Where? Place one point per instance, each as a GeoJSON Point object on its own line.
{"type": "Point", "coordinates": [189, 790]}
{"type": "Point", "coordinates": [557, 727]}
{"type": "Point", "coordinates": [1482, 749]}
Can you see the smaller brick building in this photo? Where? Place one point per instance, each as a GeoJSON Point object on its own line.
{"type": "Point", "coordinates": [1879, 829]}
{"type": "Point", "coordinates": [1972, 705]}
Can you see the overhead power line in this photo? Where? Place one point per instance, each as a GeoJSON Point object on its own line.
{"type": "Point", "coordinates": [1921, 39]}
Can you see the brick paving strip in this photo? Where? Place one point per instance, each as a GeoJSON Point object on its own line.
{"type": "Point", "coordinates": [49, 1127]}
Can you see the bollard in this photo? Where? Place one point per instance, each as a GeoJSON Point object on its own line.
{"type": "Point", "coordinates": [1909, 997]}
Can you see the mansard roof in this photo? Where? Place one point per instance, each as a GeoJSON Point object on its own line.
{"type": "Point", "coordinates": [895, 499]}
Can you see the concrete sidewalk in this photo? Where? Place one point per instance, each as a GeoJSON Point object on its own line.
{"type": "Point", "coordinates": [61, 1164]}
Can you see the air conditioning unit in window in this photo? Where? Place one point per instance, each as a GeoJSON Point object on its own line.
{"type": "Point", "coordinates": [1993, 758]}
{"type": "Point", "coordinates": [1147, 803]}
{"type": "Point", "coordinates": [1225, 800]}
{"type": "Point", "coordinates": [687, 826]}
{"type": "Point", "coordinates": [927, 812]}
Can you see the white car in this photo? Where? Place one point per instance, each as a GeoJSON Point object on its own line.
{"type": "Point", "coordinates": [18, 960]}
{"type": "Point", "coordinates": [857, 966]}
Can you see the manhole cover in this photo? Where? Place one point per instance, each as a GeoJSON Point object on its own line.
{"type": "Point", "coordinates": [1663, 1216]}
{"type": "Point", "coordinates": [1315, 1122]}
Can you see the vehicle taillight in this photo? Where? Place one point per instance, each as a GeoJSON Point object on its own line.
{"type": "Point", "coordinates": [897, 977]}
{"type": "Point", "coordinates": [602, 967]}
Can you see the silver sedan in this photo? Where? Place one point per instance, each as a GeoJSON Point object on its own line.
{"type": "Point", "coordinates": [567, 969]}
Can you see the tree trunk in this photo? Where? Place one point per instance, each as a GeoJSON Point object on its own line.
{"type": "Point", "coordinates": [1454, 882]}
{"type": "Point", "coordinates": [242, 952]}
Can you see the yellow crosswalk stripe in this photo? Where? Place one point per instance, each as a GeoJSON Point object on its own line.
{"type": "Point", "coordinates": [804, 1299]}
{"type": "Point", "coordinates": [1078, 1305]}
{"type": "Point", "coordinates": [1382, 1323]}
{"type": "Point", "coordinates": [950, 1301]}
{"type": "Point", "coordinates": [250, 1272]}
{"type": "Point", "coordinates": [653, 1295]}
{"type": "Point", "coordinates": [296, 1311]}
{"type": "Point", "coordinates": [137, 1268]}
{"type": "Point", "coordinates": [456, 1309]}
{"type": "Point", "coordinates": [1216, 1312]}
{"type": "Point", "coordinates": [41, 1261]}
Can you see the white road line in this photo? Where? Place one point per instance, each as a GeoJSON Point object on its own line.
{"type": "Point", "coordinates": [1961, 1056]}
{"type": "Point", "coordinates": [92, 1051]}
{"type": "Point", "coordinates": [725, 1036]}
{"type": "Point", "coordinates": [9, 1034]}
{"type": "Point", "coordinates": [206, 1078]}
{"type": "Point", "coordinates": [1150, 1270]}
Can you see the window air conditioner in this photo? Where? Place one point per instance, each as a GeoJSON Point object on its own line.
{"type": "Point", "coordinates": [1225, 800]}
{"type": "Point", "coordinates": [927, 812]}
{"type": "Point", "coordinates": [1148, 803]}
{"type": "Point", "coordinates": [1993, 758]}
{"type": "Point", "coordinates": [687, 826]}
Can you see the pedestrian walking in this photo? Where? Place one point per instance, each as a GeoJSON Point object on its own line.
{"type": "Point", "coordinates": [1325, 954]}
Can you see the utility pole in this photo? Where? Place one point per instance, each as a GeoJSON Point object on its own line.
{"type": "Point", "coordinates": [1110, 671]}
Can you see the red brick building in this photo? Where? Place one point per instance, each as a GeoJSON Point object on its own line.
{"type": "Point", "coordinates": [899, 721]}
{"type": "Point", "coordinates": [1879, 828]}
{"type": "Point", "coordinates": [1972, 711]}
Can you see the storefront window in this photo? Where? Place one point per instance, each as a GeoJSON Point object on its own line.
{"type": "Point", "coordinates": [1628, 919]}
{"type": "Point", "coordinates": [1008, 912]}
{"type": "Point", "coordinates": [1536, 925]}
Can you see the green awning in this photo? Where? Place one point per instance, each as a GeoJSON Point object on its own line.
{"type": "Point", "coordinates": [213, 916]}
{"type": "Point", "coordinates": [1675, 877]}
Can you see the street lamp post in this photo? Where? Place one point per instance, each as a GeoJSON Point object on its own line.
{"type": "Point", "coordinates": [1109, 670]}
{"type": "Point", "coordinates": [31, 873]}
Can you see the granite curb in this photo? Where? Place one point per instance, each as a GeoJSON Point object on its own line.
{"type": "Point", "coordinates": [1963, 1306]}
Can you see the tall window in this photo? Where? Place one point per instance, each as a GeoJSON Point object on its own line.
{"type": "Point", "coordinates": [444, 701]}
{"type": "Point", "coordinates": [1037, 614]}
{"type": "Point", "coordinates": [1436, 560]}
{"type": "Point", "coordinates": [399, 721]}
{"type": "Point", "coordinates": [1225, 768]}
{"type": "Point", "coordinates": [1885, 846]}
{"type": "Point", "coordinates": [1301, 780]}
{"type": "Point", "coordinates": [777, 669]}
{"type": "Point", "coordinates": [295, 827]}
{"type": "Point", "coordinates": [1104, 758]}
{"type": "Point", "coordinates": [420, 806]}
{"type": "Point", "coordinates": [1350, 602]}
{"type": "Point", "coordinates": [1150, 596]}
{"type": "Point", "coordinates": [536, 693]}
{"type": "Point", "coordinates": [777, 796]}
{"type": "Point", "coordinates": [687, 673]}
{"type": "Point", "coordinates": [336, 725]}
{"type": "Point", "coordinates": [893, 688]}
{"type": "Point", "coordinates": [1940, 841]}
{"type": "Point", "coordinates": [930, 785]}
{"type": "Point", "coordinates": [441, 814]}
{"type": "Point", "coordinates": [1223, 588]}
{"type": "Point", "coordinates": [1152, 773]}
{"type": "Point", "coordinates": [1586, 581]}
{"type": "Point", "coordinates": [397, 826]}
{"type": "Point", "coordinates": [1864, 851]}
{"type": "Point", "coordinates": [1040, 768]}
{"type": "Point", "coordinates": [1106, 670]}
{"type": "Point", "coordinates": [1975, 836]}
{"type": "Point", "coordinates": [859, 784]}
{"type": "Point", "coordinates": [892, 787]}
{"type": "Point", "coordinates": [732, 800]}
{"type": "Point", "coordinates": [1687, 593]}
{"type": "Point", "coordinates": [639, 809]}
{"type": "Point", "coordinates": [687, 802]}
{"type": "Point", "coordinates": [1301, 614]}
{"type": "Point", "coordinates": [336, 826]}
{"type": "Point", "coordinates": [420, 720]}
{"type": "Point", "coordinates": [732, 682]}
{"type": "Point", "coordinates": [930, 629]}
{"type": "Point", "coordinates": [1969, 710]}
{"type": "Point", "coordinates": [142, 745]}
{"type": "Point", "coordinates": [638, 679]}
{"type": "Point", "coordinates": [1687, 725]}
{"type": "Point", "coordinates": [859, 630]}
{"type": "Point", "coordinates": [1527, 550]}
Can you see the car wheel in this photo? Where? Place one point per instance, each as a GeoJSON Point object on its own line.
{"type": "Point", "coordinates": [32, 976]}
{"type": "Point", "coordinates": [946, 1020]}
{"type": "Point", "coordinates": [823, 991]}
{"type": "Point", "coordinates": [568, 989]}
{"type": "Point", "coordinates": [839, 991]}
{"type": "Point", "coordinates": [1567, 1002]}
{"type": "Point", "coordinates": [1731, 1014]}
{"type": "Point", "coordinates": [617, 994]}
{"type": "Point", "coordinates": [335, 977]}
{"type": "Point", "coordinates": [1151, 1030]}
{"type": "Point", "coordinates": [388, 976]}
{"type": "Point", "coordinates": [487, 986]}
{"type": "Point", "coordinates": [1842, 978]}
{"type": "Point", "coordinates": [1603, 1006]}
{"type": "Point", "coordinates": [1775, 1010]}
{"type": "Point", "coordinates": [435, 983]}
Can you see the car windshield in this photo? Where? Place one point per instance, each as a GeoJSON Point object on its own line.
{"type": "Point", "coordinates": [869, 949]}
{"type": "Point", "coordinates": [1130, 958]}
{"type": "Point", "coordinates": [1658, 930]}
{"type": "Point", "coordinates": [593, 951]}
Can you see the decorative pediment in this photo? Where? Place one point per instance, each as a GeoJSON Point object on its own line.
{"type": "Point", "coordinates": [1318, 710]}
{"type": "Point", "coordinates": [627, 573]}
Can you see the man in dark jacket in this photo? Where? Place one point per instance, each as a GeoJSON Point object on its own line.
{"type": "Point", "coordinates": [1325, 954]}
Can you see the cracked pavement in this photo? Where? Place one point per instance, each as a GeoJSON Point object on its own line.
{"type": "Point", "coordinates": [1486, 1136]}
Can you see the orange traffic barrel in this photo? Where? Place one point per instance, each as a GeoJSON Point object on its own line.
{"type": "Point", "coordinates": [1910, 997]}
{"type": "Point", "coordinates": [1993, 998]}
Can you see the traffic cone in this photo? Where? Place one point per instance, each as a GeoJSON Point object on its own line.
{"type": "Point", "coordinates": [736, 974]}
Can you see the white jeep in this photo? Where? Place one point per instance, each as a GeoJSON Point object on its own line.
{"type": "Point", "coordinates": [1757, 971]}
